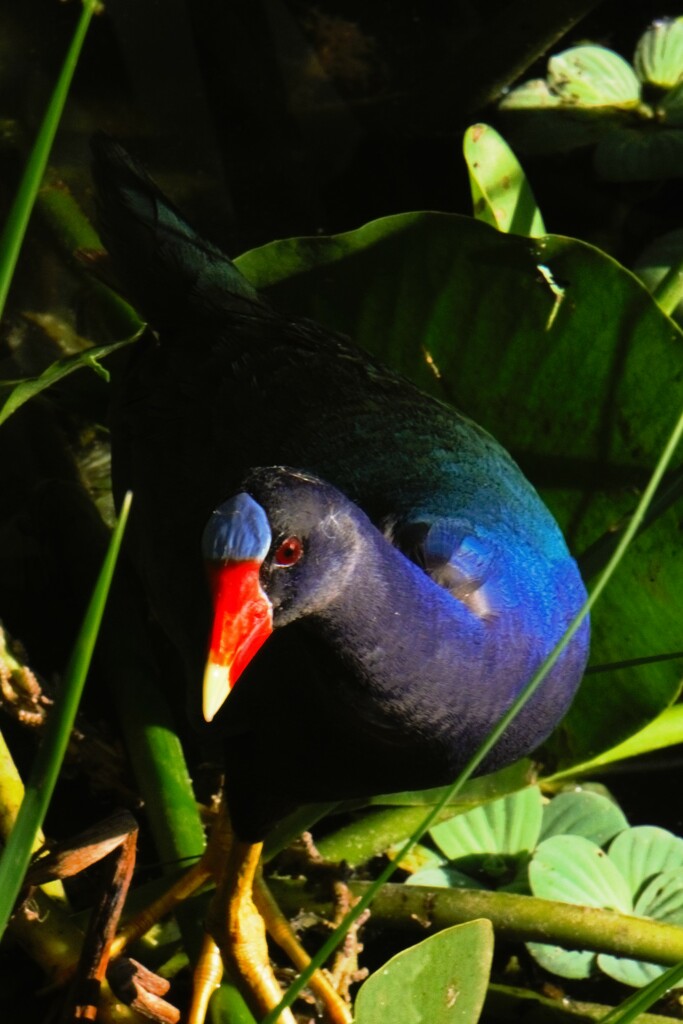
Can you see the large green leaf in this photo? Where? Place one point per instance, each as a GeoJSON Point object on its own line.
{"type": "Point", "coordinates": [630, 154]}
{"type": "Point", "coordinates": [664, 731]}
{"type": "Point", "coordinates": [441, 980]}
{"type": "Point", "coordinates": [563, 355]}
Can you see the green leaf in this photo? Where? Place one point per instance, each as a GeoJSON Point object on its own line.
{"type": "Point", "coordinates": [657, 259]}
{"type": "Point", "coordinates": [536, 120]}
{"type": "Point", "coordinates": [567, 963]}
{"type": "Point", "coordinates": [662, 898]}
{"type": "Point", "coordinates": [572, 869]}
{"type": "Point", "coordinates": [501, 194]}
{"type": "Point", "coordinates": [590, 76]}
{"type": "Point", "coordinates": [510, 826]}
{"type": "Point", "coordinates": [227, 1006]}
{"type": "Point", "coordinates": [584, 392]}
{"type": "Point", "coordinates": [21, 391]}
{"type": "Point", "coordinates": [441, 980]}
{"type": "Point", "coordinates": [651, 860]}
{"type": "Point", "coordinates": [444, 877]}
{"type": "Point", "coordinates": [644, 877]}
{"type": "Point", "coordinates": [421, 858]}
{"type": "Point", "coordinates": [635, 973]}
{"type": "Point", "coordinates": [583, 813]}
{"type": "Point", "coordinates": [658, 58]}
{"type": "Point", "coordinates": [379, 831]}
{"type": "Point", "coordinates": [475, 791]}
{"type": "Point", "coordinates": [534, 94]}
{"type": "Point", "coordinates": [642, 852]}
{"type": "Point", "coordinates": [630, 154]}
{"type": "Point", "coordinates": [664, 731]}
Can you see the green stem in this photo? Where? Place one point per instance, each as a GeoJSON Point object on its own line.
{"type": "Point", "coordinates": [510, 1005]}
{"type": "Point", "coordinates": [371, 835]}
{"type": "Point", "coordinates": [522, 918]}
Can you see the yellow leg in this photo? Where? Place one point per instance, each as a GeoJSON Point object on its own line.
{"type": "Point", "coordinates": [207, 977]}
{"type": "Point", "coordinates": [241, 933]}
{"type": "Point", "coordinates": [240, 912]}
{"type": "Point", "coordinates": [280, 930]}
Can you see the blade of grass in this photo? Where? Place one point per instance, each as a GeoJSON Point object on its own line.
{"type": "Point", "coordinates": [640, 1001]}
{"type": "Point", "coordinates": [11, 796]}
{"type": "Point", "coordinates": [40, 786]}
{"type": "Point", "coordinates": [17, 221]}
{"type": "Point", "coordinates": [340, 931]}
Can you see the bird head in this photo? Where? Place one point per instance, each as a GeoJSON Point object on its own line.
{"type": "Point", "coordinates": [279, 550]}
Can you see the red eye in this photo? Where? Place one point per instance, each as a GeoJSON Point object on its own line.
{"type": "Point", "coordinates": [289, 552]}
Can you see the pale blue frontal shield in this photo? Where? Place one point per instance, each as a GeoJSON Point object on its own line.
{"type": "Point", "coordinates": [237, 531]}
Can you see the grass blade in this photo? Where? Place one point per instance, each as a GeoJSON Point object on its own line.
{"type": "Point", "coordinates": [640, 1001]}
{"type": "Point", "coordinates": [51, 752]}
{"type": "Point", "coordinates": [17, 221]}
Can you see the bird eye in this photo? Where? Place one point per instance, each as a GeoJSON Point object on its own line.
{"type": "Point", "coordinates": [289, 552]}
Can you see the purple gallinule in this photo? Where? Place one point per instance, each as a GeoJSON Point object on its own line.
{"type": "Point", "coordinates": [411, 577]}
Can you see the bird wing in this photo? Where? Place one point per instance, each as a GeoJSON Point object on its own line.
{"type": "Point", "coordinates": [455, 555]}
{"type": "Point", "coordinates": [170, 271]}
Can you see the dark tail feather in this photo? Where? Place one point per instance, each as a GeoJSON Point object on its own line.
{"type": "Point", "coordinates": [167, 268]}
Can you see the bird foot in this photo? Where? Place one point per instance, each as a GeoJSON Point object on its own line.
{"type": "Point", "coordinates": [241, 935]}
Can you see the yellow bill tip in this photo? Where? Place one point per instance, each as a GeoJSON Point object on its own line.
{"type": "Point", "coordinates": [216, 689]}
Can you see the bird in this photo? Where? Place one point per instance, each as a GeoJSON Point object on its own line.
{"type": "Point", "coordinates": [359, 577]}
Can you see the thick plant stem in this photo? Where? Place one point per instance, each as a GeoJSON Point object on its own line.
{"type": "Point", "coordinates": [523, 918]}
